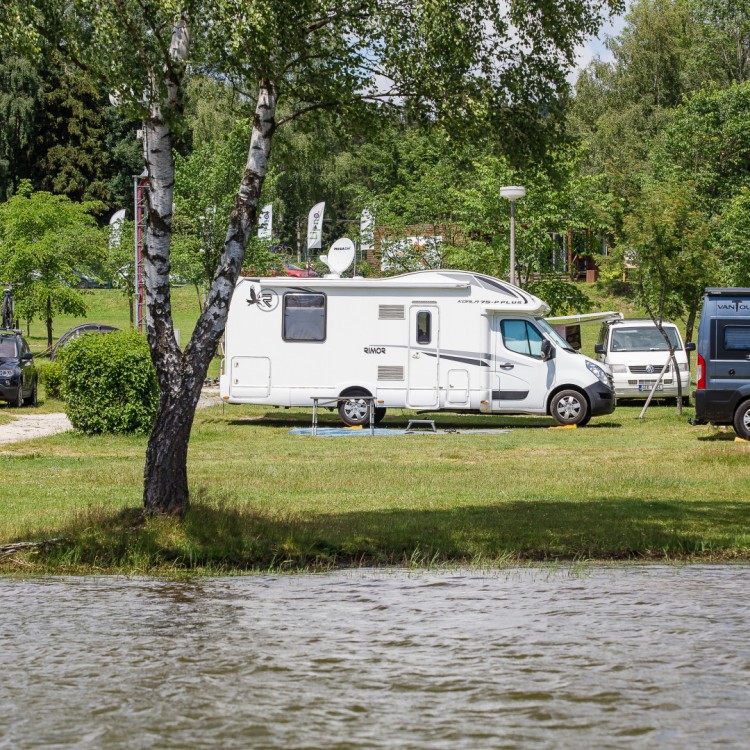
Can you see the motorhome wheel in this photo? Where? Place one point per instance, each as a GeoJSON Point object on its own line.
{"type": "Point", "coordinates": [570, 407]}
{"type": "Point", "coordinates": [355, 411]}
{"type": "Point", "coordinates": [742, 420]}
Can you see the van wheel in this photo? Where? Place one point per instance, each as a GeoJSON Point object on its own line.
{"type": "Point", "coordinates": [355, 411]}
{"type": "Point", "coordinates": [570, 407]}
{"type": "Point", "coordinates": [742, 420]}
{"type": "Point", "coordinates": [379, 414]}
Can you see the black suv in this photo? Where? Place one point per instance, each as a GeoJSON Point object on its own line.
{"type": "Point", "coordinates": [18, 376]}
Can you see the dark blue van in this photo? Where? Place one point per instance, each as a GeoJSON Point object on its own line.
{"type": "Point", "coordinates": [723, 372]}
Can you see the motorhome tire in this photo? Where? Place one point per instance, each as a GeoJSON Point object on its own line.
{"type": "Point", "coordinates": [379, 414]}
{"type": "Point", "coordinates": [355, 411]}
{"type": "Point", "coordinates": [570, 407]}
{"type": "Point", "coordinates": [742, 420]}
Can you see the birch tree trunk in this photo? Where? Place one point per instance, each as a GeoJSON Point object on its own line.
{"type": "Point", "coordinates": [181, 374]}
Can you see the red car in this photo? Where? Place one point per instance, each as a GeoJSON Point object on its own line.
{"type": "Point", "coordinates": [300, 273]}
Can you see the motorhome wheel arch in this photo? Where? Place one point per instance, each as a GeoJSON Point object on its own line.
{"type": "Point", "coordinates": [722, 396]}
{"type": "Point", "coordinates": [428, 340]}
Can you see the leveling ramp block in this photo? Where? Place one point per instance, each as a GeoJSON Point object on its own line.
{"type": "Point", "coordinates": [564, 427]}
{"type": "Point", "coordinates": [741, 440]}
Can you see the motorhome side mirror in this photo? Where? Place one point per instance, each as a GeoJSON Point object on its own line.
{"type": "Point", "coordinates": [548, 351]}
{"type": "Point", "coordinates": [690, 346]}
{"type": "Point", "coordinates": [599, 349]}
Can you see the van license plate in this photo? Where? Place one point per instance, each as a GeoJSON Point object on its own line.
{"type": "Point", "coordinates": [647, 387]}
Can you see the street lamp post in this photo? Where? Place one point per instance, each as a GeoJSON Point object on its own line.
{"type": "Point", "coordinates": [512, 193]}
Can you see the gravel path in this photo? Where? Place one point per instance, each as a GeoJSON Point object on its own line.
{"type": "Point", "coordinates": [28, 426]}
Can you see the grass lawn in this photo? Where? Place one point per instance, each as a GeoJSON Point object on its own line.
{"type": "Point", "coordinates": [264, 499]}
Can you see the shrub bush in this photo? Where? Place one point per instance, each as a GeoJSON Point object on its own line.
{"type": "Point", "coordinates": [109, 383]}
{"type": "Point", "coordinates": [50, 376]}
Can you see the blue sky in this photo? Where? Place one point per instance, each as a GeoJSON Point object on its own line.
{"type": "Point", "coordinates": [595, 46]}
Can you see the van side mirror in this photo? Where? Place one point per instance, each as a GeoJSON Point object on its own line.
{"type": "Point", "coordinates": [690, 347]}
{"type": "Point", "coordinates": [599, 349]}
{"type": "Point", "coordinates": [26, 356]}
{"type": "Point", "coordinates": [548, 351]}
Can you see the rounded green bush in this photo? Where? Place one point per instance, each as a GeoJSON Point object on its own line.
{"type": "Point", "coordinates": [50, 376]}
{"type": "Point", "coordinates": [109, 383]}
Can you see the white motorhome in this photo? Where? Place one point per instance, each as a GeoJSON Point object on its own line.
{"type": "Point", "coordinates": [429, 341]}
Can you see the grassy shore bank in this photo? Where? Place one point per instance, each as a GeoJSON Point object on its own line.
{"type": "Point", "coordinates": [263, 499]}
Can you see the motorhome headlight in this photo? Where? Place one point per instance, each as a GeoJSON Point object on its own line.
{"type": "Point", "coordinates": [619, 368]}
{"type": "Point", "coordinates": [6, 373]}
{"type": "Point", "coordinates": [599, 373]}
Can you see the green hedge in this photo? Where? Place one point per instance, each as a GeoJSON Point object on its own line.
{"type": "Point", "coordinates": [50, 376]}
{"type": "Point", "coordinates": [109, 383]}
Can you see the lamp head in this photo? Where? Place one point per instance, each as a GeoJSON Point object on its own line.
{"type": "Point", "coordinates": [513, 192]}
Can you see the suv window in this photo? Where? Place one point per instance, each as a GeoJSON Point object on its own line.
{"type": "Point", "coordinates": [8, 347]}
{"type": "Point", "coordinates": [521, 337]}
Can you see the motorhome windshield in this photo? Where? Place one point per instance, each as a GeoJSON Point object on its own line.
{"type": "Point", "coordinates": [553, 334]}
{"type": "Point", "coordinates": [643, 339]}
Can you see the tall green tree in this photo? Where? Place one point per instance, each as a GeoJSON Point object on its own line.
{"type": "Point", "coordinates": [46, 241]}
{"type": "Point", "coordinates": [472, 65]}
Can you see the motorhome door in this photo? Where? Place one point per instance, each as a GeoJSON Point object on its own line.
{"type": "Point", "coordinates": [424, 357]}
{"type": "Point", "coordinates": [520, 379]}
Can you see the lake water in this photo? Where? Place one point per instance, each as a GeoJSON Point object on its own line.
{"type": "Point", "coordinates": [622, 657]}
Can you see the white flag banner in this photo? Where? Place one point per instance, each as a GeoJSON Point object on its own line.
{"type": "Point", "coordinates": [315, 226]}
{"type": "Point", "coordinates": [265, 222]}
{"type": "Point", "coordinates": [367, 231]}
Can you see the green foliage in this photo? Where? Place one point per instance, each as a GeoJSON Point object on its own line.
{"type": "Point", "coordinates": [668, 239]}
{"type": "Point", "coordinates": [734, 235]}
{"type": "Point", "coordinates": [109, 383]}
{"type": "Point", "coordinates": [51, 377]}
{"type": "Point", "coordinates": [562, 297]}
{"type": "Point", "coordinates": [45, 241]}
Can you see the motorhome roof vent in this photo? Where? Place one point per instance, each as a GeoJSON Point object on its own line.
{"type": "Point", "coordinates": [390, 372]}
{"type": "Point", "coordinates": [391, 312]}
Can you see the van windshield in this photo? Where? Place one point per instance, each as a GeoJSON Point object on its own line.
{"type": "Point", "coordinates": [643, 339]}
{"type": "Point", "coordinates": [553, 334]}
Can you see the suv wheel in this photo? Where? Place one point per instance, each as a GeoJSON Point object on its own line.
{"type": "Point", "coordinates": [18, 400]}
{"type": "Point", "coordinates": [742, 420]}
{"type": "Point", "coordinates": [32, 400]}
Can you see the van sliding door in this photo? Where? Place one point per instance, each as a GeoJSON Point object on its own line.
{"type": "Point", "coordinates": [424, 357]}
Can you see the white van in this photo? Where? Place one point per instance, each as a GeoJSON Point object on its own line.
{"type": "Point", "coordinates": [429, 340]}
{"type": "Point", "coordinates": [635, 352]}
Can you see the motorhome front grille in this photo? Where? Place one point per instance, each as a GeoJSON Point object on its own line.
{"type": "Point", "coordinates": [391, 312]}
{"type": "Point", "coordinates": [643, 369]}
{"type": "Point", "coordinates": [390, 372]}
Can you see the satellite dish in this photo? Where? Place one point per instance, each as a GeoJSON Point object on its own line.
{"type": "Point", "coordinates": [340, 257]}
{"type": "Point", "coordinates": [324, 259]}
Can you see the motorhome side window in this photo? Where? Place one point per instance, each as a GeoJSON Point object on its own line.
{"type": "Point", "coordinates": [737, 339]}
{"type": "Point", "coordinates": [521, 337]}
{"type": "Point", "coordinates": [424, 327]}
{"type": "Point", "coordinates": [304, 317]}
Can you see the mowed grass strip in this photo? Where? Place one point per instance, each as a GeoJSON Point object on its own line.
{"type": "Point", "coordinates": [266, 500]}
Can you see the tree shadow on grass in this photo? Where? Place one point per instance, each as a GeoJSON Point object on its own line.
{"type": "Point", "coordinates": [221, 537]}
{"type": "Point", "coordinates": [442, 421]}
